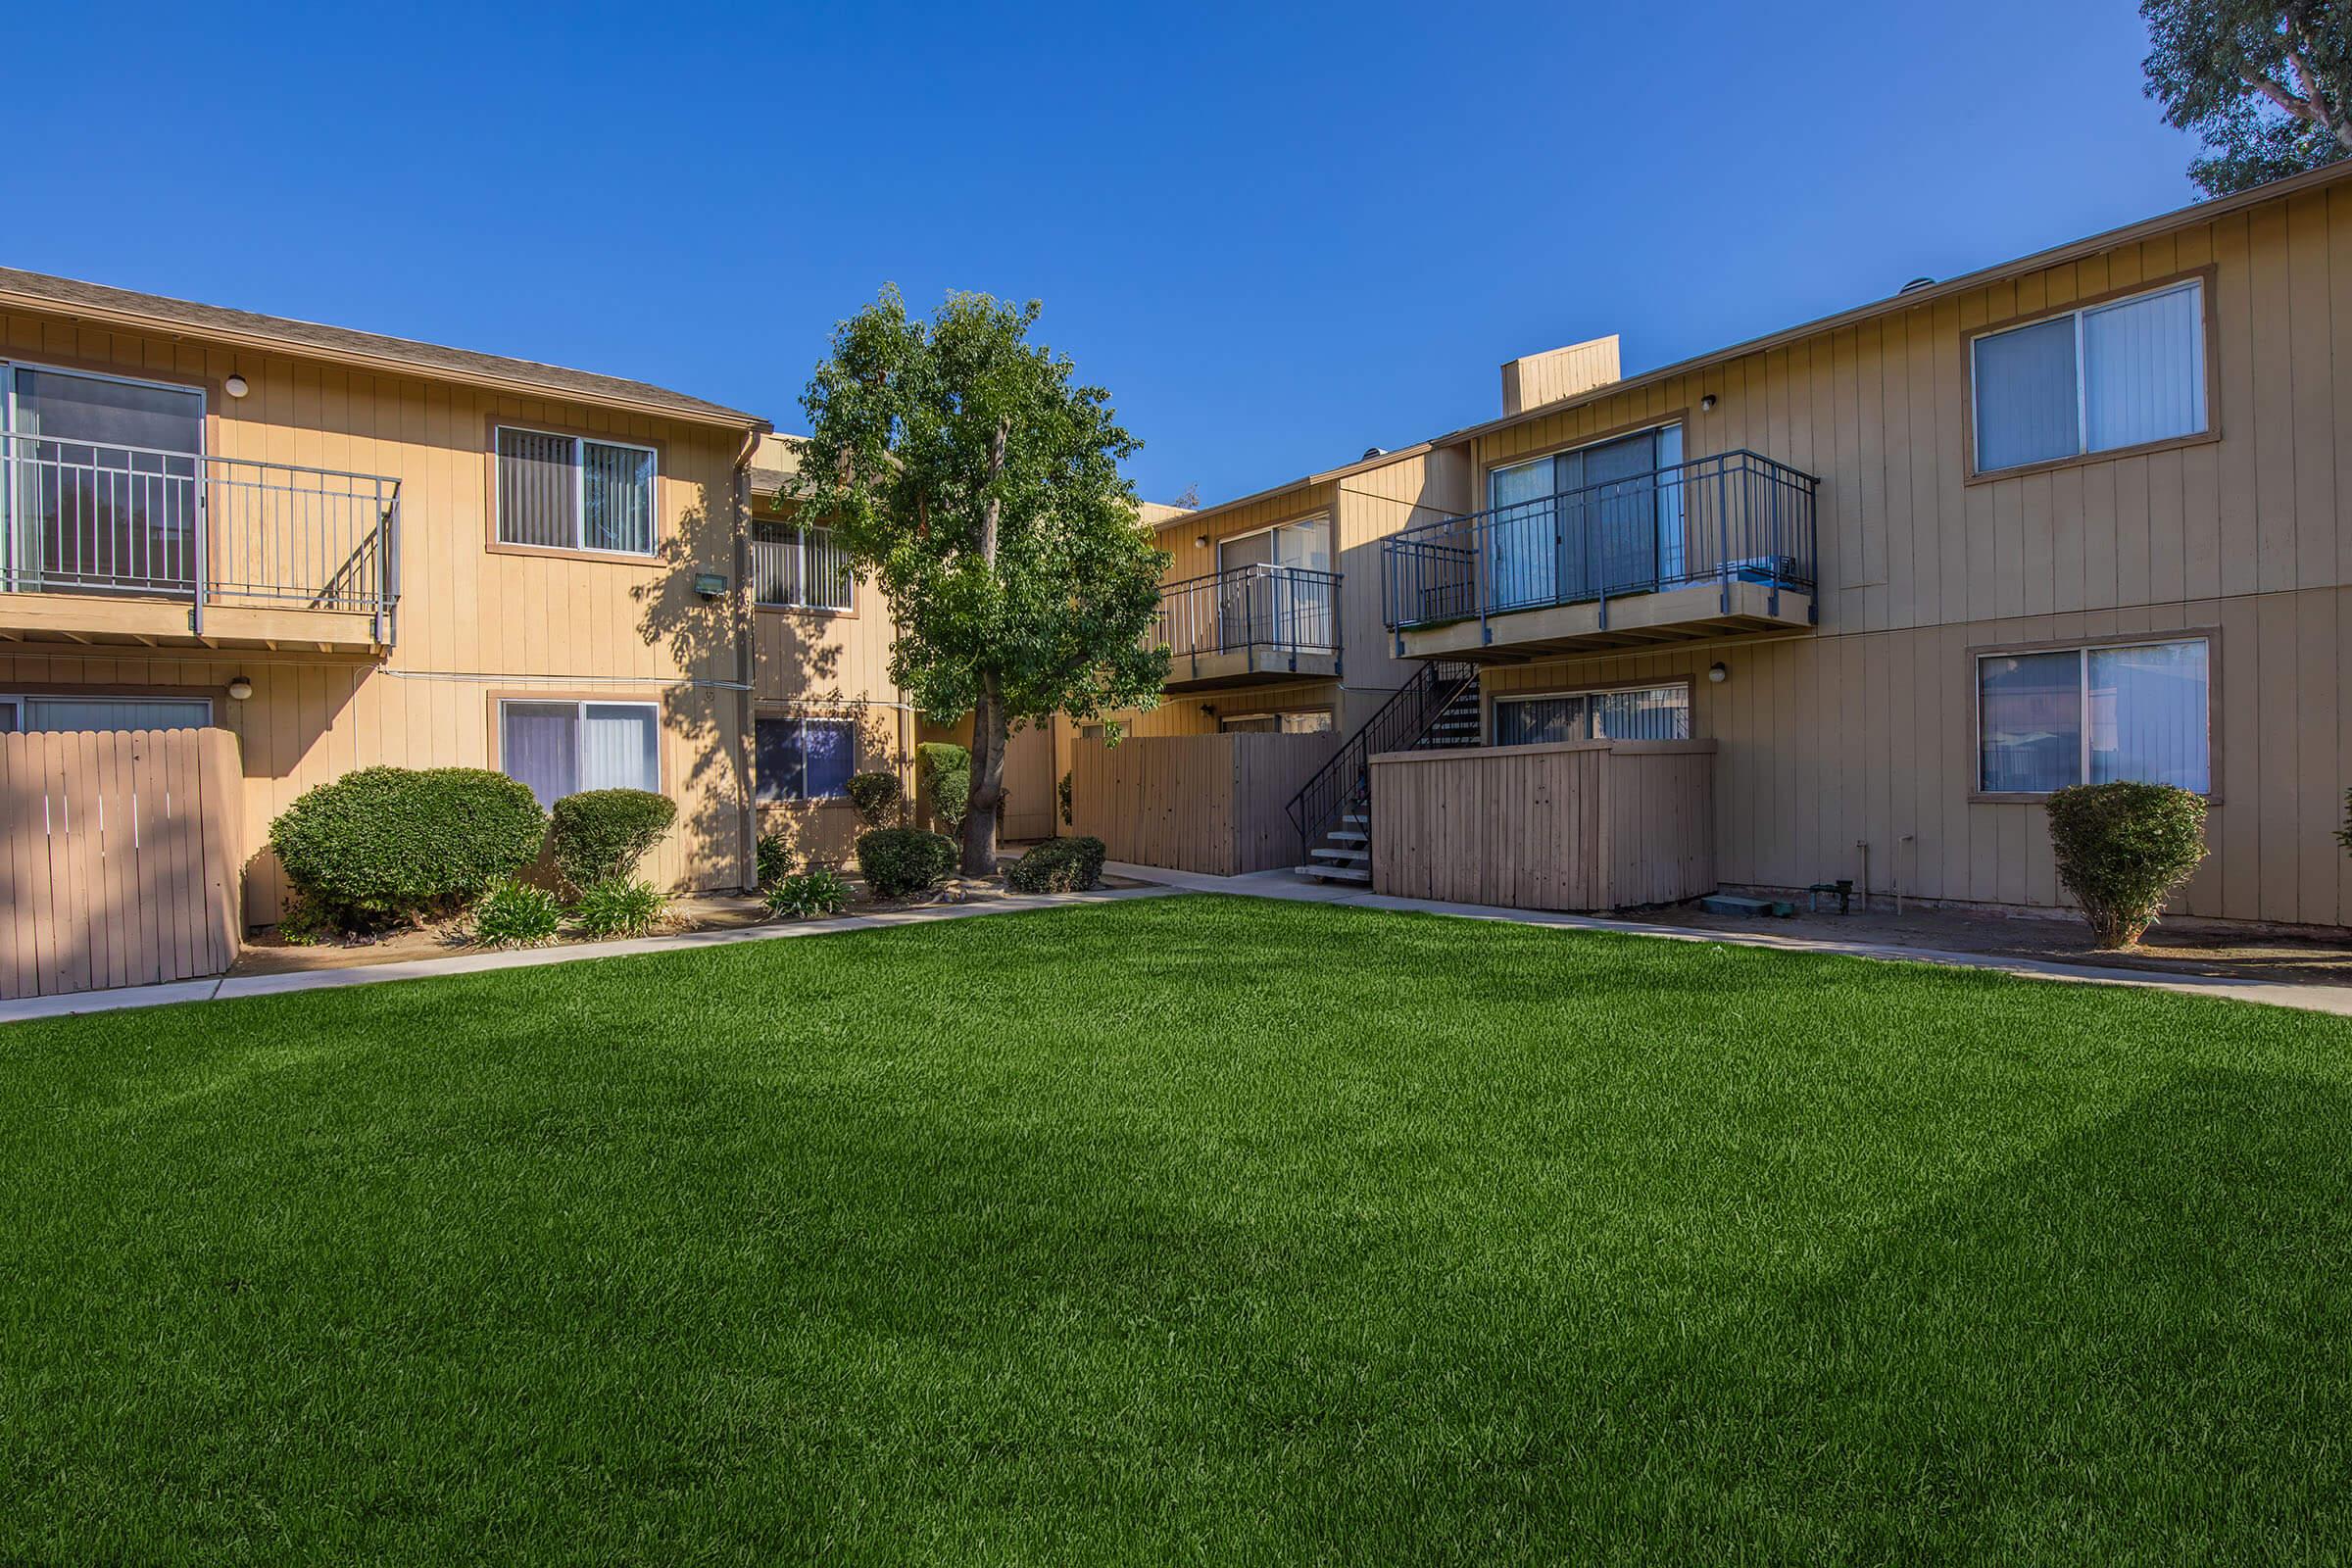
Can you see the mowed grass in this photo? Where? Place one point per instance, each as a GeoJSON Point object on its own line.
{"type": "Point", "coordinates": [1186, 1230]}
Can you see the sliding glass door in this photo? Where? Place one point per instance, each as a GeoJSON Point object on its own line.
{"type": "Point", "coordinates": [1570, 526]}
{"type": "Point", "coordinates": [102, 481]}
{"type": "Point", "coordinates": [1286, 601]}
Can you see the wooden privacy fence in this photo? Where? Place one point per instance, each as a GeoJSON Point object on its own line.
{"type": "Point", "coordinates": [121, 857]}
{"type": "Point", "coordinates": [1218, 804]}
{"type": "Point", "coordinates": [1585, 825]}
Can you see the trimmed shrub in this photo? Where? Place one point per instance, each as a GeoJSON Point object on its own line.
{"type": "Point", "coordinates": [1063, 790]}
{"type": "Point", "coordinates": [897, 861]}
{"type": "Point", "coordinates": [381, 845]}
{"type": "Point", "coordinates": [775, 859]}
{"type": "Point", "coordinates": [515, 914]}
{"type": "Point", "coordinates": [944, 772]}
{"type": "Point", "coordinates": [619, 906]}
{"type": "Point", "coordinates": [1059, 865]}
{"type": "Point", "coordinates": [2121, 848]}
{"type": "Point", "coordinates": [877, 797]}
{"type": "Point", "coordinates": [600, 835]}
{"type": "Point", "coordinates": [817, 891]}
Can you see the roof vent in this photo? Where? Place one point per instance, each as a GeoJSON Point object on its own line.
{"type": "Point", "coordinates": [1916, 284]}
{"type": "Point", "coordinates": [1375, 452]}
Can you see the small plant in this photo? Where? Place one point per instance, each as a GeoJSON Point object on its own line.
{"type": "Point", "coordinates": [303, 924]}
{"type": "Point", "coordinates": [601, 835]}
{"type": "Point", "coordinates": [390, 845]}
{"type": "Point", "coordinates": [1059, 865]}
{"type": "Point", "coordinates": [2343, 835]}
{"type": "Point", "coordinates": [945, 774]}
{"type": "Point", "coordinates": [620, 907]}
{"type": "Point", "coordinates": [2121, 848]}
{"type": "Point", "coordinates": [515, 914]}
{"type": "Point", "coordinates": [817, 891]}
{"type": "Point", "coordinates": [897, 861]}
{"type": "Point", "coordinates": [1063, 790]}
{"type": "Point", "coordinates": [775, 859]}
{"type": "Point", "coordinates": [878, 799]}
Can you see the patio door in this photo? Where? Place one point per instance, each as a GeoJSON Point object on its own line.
{"type": "Point", "coordinates": [1569, 526]}
{"type": "Point", "coordinates": [1285, 600]}
{"type": "Point", "coordinates": [101, 484]}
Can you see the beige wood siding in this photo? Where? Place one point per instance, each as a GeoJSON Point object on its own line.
{"type": "Point", "coordinates": [1195, 803]}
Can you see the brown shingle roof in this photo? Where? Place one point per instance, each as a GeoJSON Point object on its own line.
{"type": "Point", "coordinates": [121, 305]}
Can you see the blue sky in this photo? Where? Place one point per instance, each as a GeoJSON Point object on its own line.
{"type": "Point", "coordinates": [1278, 234]}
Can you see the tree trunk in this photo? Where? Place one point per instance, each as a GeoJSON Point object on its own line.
{"type": "Point", "coordinates": [990, 733]}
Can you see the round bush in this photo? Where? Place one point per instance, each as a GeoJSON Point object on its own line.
{"type": "Point", "coordinates": [1059, 865]}
{"type": "Point", "coordinates": [878, 799]}
{"type": "Point", "coordinates": [601, 835]}
{"type": "Point", "coordinates": [2121, 848]}
{"type": "Point", "coordinates": [897, 861]}
{"type": "Point", "coordinates": [386, 845]}
{"type": "Point", "coordinates": [945, 772]}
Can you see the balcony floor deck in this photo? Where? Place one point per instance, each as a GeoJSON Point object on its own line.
{"type": "Point", "coordinates": [90, 620]}
{"type": "Point", "coordinates": [1635, 621]}
{"type": "Point", "coordinates": [1247, 666]}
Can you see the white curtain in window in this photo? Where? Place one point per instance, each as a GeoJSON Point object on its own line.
{"type": "Point", "coordinates": [2148, 707]}
{"type": "Point", "coordinates": [826, 567]}
{"type": "Point", "coordinates": [1523, 550]}
{"type": "Point", "coordinates": [619, 747]}
{"type": "Point", "coordinates": [537, 494]}
{"type": "Point", "coordinates": [1654, 713]}
{"type": "Point", "coordinates": [1539, 720]}
{"type": "Point", "coordinates": [541, 748]}
{"type": "Point", "coordinates": [775, 564]}
{"type": "Point", "coordinates": [2026, 408]}
{"type": "Point", "coordinates": [2144, 369]}
{"type": "Point", "coordinates": [617, 488]}
{"type": "Point", "coordinates": [48, 714]}
{"type": "Point", "coordinates": [2030, 721]}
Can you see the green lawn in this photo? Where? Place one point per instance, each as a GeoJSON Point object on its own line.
{"type": "Point", "coordinates": [1191, 1229]}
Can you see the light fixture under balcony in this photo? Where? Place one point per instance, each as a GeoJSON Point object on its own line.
{"type": "Point", "coordinates": [1717, 674]}
{"type": "Point", "coordinates": [235, 387]}
{"type": "Point", "coordinates": [239, 689]}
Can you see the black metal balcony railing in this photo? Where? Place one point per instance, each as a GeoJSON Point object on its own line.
{"type": "Point", "coordinates": [82, 516]}
{"type": "Point", "coordinates": [1290, 609]}
{"type": "Point", "coordinates": [1731, 517]}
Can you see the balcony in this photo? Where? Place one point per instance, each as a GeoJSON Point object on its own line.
{"type": "Point", "coordinates": [1719, 546]}
{"type": "Point", "coordinates": [117, 543]}
{"type": "Point", "coordinates": [1249, 625]}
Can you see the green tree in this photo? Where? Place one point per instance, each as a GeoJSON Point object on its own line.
{"type": "Point", "coordinates": [2266, 84]}
{"type": "Point", "coordinates": [968, 473]}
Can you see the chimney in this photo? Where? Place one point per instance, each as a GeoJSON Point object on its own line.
{"type": "Point", "coordinates": [1558, 373]}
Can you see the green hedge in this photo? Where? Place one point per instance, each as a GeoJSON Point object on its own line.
{"type": "Point", "coordinates": [2121, 848]}
{"type": "Point", "coordinates": [897, 861]}
{"type": "Point", "coordinates": [944, 772]}
{"type": "Point", "coordinates": [877, 797]}
{"type": "Point", "coordinates": [1059, 865]}
{"type": "Point", "coordinates": [386, 845]}
{"type": "Point", "coordinates": [600, 835]}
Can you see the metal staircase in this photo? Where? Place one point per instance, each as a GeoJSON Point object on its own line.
{"type": "Point", "coordinates": [1333, 813]}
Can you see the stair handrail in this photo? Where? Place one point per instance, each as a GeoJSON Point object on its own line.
{"type": "Point", "coordinates": [1396, 725]}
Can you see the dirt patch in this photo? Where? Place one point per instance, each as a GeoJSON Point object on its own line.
{"type": "Point", "coordinates": [2195, 947]}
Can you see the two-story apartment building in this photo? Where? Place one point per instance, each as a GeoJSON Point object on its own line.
{"type": "Point", "coordinates": [352, 549]}
{"type": "Point", "coordinates": [2077, 516]}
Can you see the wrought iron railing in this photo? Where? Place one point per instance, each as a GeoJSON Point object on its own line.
{"type": "Point", "coordinates": [86, 517]}
{"type": "Point", "coordinates": [1396, 725]}
{"type": "Point", "coordinates": [1288, 609]}
{"type": "Point", "coordinates": [1736, 516]}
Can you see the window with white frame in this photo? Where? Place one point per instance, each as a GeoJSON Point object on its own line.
{"type": "Point", "coordinates": [2115, 375]}
{"type": "Point", "coordinates": [45, 715]}
{"type": "Point", "coordinates": [2048, 719]}
{"type": "Point", "coordinates": [566, 492]}
{"type": "Point", "coordinates": [799, 568]}
{"type": "Point", "coordinates": [1642, 714]}
{"type": "Point", "coordinates": [797, 759]}
{"type": "Point", "coordinates": [561, 748]}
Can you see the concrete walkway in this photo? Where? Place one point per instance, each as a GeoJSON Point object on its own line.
{"type": "Point", "coordinates": [1161, 882]}
{"type": "Point", "coordinates": [266, 985]}
{"type": "Point", "coordinates": [2335, 999]}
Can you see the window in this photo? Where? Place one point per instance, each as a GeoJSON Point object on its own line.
{"type": "Point", "coordinates": [103, 486]}
{"type": "Point", "coordinates": [1274, 588]}
{"type": "Point", "coordinates": [45, 715]}
{"type": "Point", "coordinates": [2048, 719]}
{"type": "Point", "coordinates": [1601, 517]}
{"type": "Point", "coordinates": [2093, 380]}
{"type": "Point", "coordinates": [1646, 714]}
{"type": "Point", "coordinates": [799, 568]}
{"type": "Point", "coordinates": [804, 758]}
{"type": "Point", "coordinates": [563, 492]}
{"type": "Point", "coordinates": [1313, 721]}
{"type": "Point", "coordinates": [560, 748]}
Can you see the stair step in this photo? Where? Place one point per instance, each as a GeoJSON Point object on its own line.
{"type": "Point", "coordinates": [1330, 854]}
{"type": "Point", "coordinates": [1336, 873]}
{"type": "Point", "coordinates": [1351, 835]}
{"type": "Point", "coordinates": [1360, 821]}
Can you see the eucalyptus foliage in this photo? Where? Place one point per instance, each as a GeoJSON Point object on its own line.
{"type": "Point", "coordinates": [2266, 85]}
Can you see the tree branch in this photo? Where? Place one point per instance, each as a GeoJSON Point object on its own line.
{"type": "Point", "coordinates": [2322, 114]}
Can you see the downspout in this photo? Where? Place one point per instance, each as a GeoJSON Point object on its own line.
{"type": "Point", "coordinates": [739, 612]}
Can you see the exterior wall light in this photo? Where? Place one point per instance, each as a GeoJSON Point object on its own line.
{"type": "Point", "coordinates": [239, 689]}
{"type": "Point", "coordinates": [1200, 541]}
{"type": "Point", "coordinates": [1717, 674]}
{"type": "Point", "coordinates": [235, 387]}
{"type": "Point", "coordinates": [1707, 402]}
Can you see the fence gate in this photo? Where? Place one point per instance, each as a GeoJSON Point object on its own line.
{"type": "Point", "coordinates": [121, 858]}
